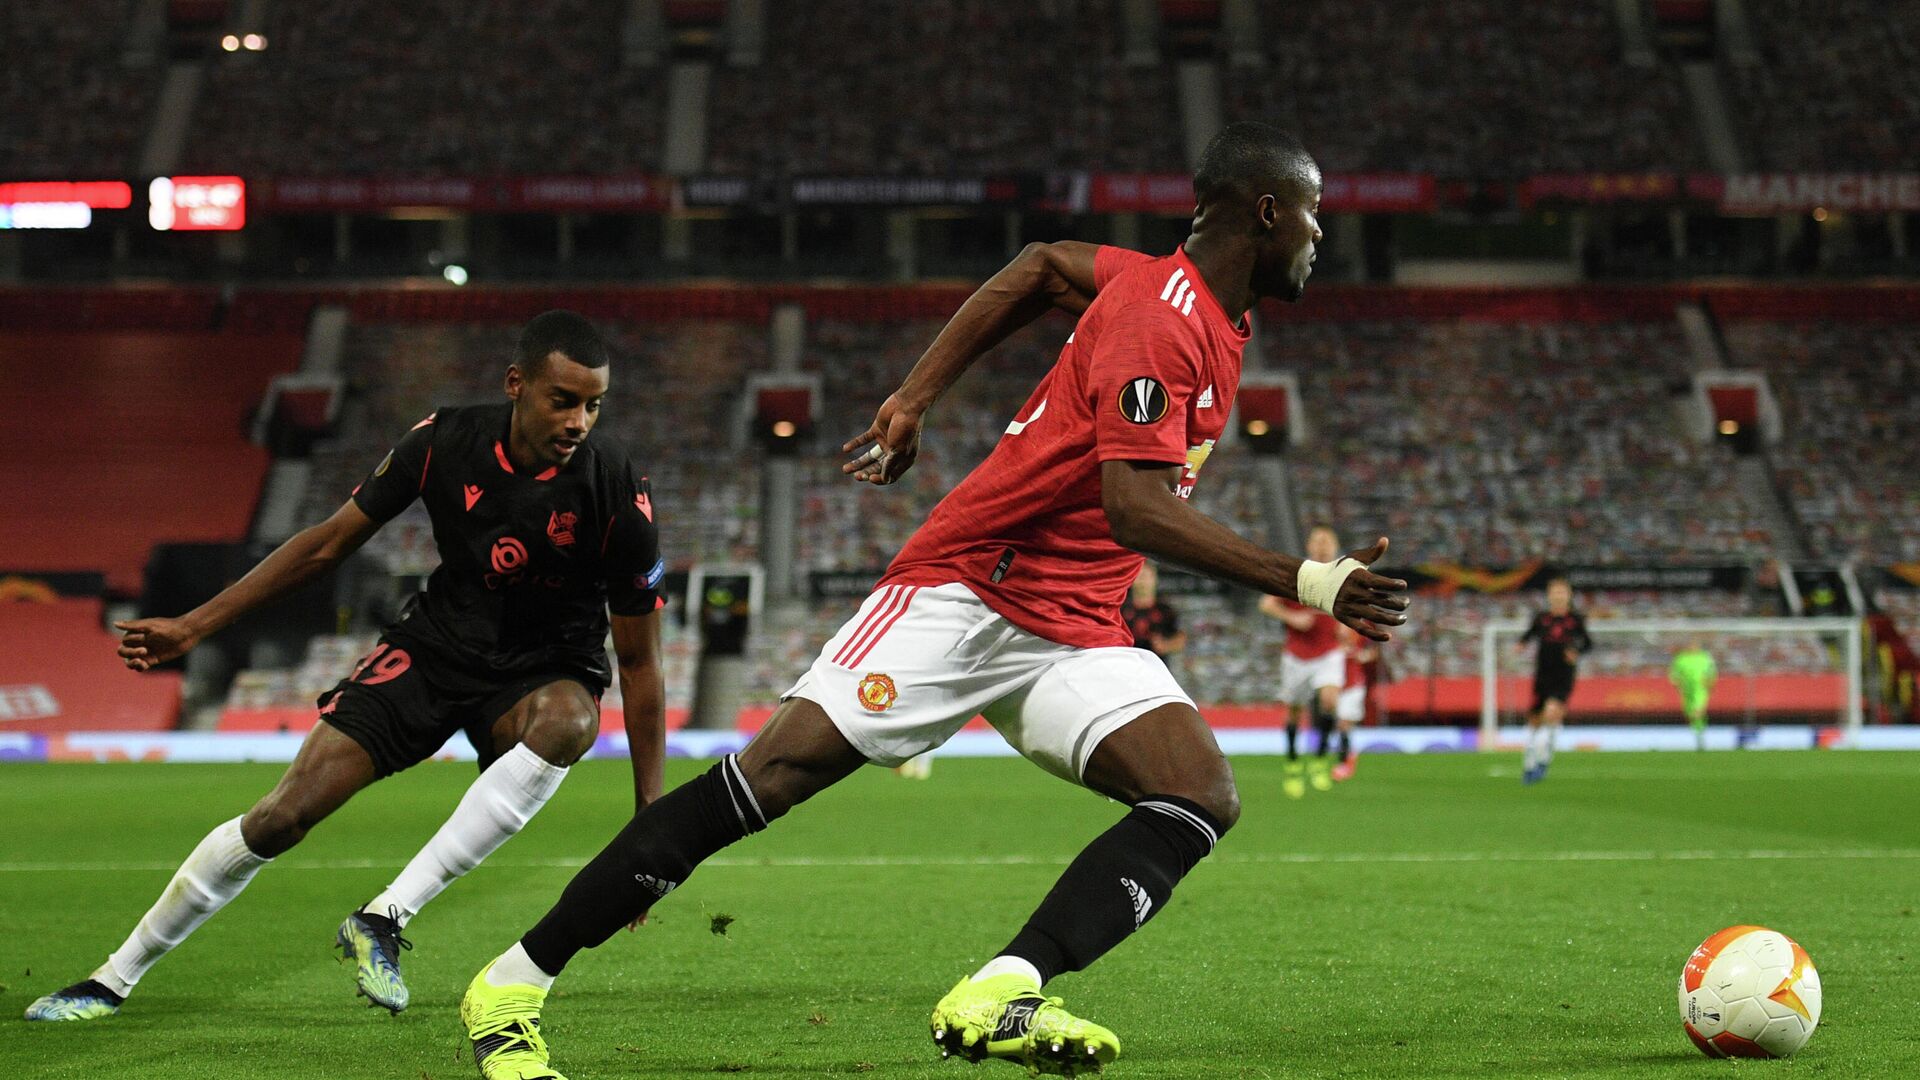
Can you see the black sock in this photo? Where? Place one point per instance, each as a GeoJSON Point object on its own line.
{"type": "Point", "coordinates": [1346, 744]}
{"type": "Point", "coordinates": [1323, 727]}
{"type": "Point", "coordinates": [1116, 884]}
{"type": "Point", "coordinates": [650, 858]}
{"type": "Point", "coordinates": [1293, 741]}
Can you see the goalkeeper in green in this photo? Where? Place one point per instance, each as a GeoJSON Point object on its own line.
{"type": "Point", "coordinates": [1693, 674]}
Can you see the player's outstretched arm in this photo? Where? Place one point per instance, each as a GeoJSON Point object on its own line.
{"type": "Point", "coordinates": [308, 554]}
{"type": "Point", "coordinates": [1042, 277]}
{"type": "Point", "coordinates": [643, 696]}
{"type": "Point", "coordinates": [1148, 517]}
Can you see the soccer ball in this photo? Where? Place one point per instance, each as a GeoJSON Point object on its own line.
{"type": "Point", "coordinates": [1749, 992]}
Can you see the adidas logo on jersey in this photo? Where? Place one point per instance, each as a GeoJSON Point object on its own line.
{"type": "Point", "coordinates": [1206, 398]}
{"type": "Point", "coordinates": [655, 885]}
{"type": "Point", "coordinates": [1179, 292]}
{"type": "Point", "coordinates": [1142, 903]}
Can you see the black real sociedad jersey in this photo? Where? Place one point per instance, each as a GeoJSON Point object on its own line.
{"type": "Point", "coordinates": [1556, 634]}
{"type": "Point", "coordinates": [529, 565]}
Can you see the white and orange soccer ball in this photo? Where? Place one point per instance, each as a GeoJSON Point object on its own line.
{"type": "Point", "coordinates": [1749, 992]}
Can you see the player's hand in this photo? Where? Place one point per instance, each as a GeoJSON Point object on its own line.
{"type": "Point", "coordinates": [637, 923]}
{"type": "Point", "coordinates": [1368, 601]}
{"type": "Point", "coordinates": [891, 443]}
{"type": "Point", "coordinates": [146, 643]}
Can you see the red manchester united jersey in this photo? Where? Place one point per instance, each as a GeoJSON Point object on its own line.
{"type": "Point", "coordinates": [1319, 640]}
{"type": "Point", "coordinates": [1148, 375]}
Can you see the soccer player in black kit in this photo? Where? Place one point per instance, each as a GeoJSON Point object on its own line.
{"type": "Point", "coordinates": [1561, 633]}
{"type": "Point", "coordinates": [543, 529]}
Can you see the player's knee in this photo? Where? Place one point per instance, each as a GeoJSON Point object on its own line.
{"type": "Point", "coordinates": [278, 822]}
{"type": "Point", "coordinates": [1224, 804]}
{"type": "Point", "coordinates": [560, 724]}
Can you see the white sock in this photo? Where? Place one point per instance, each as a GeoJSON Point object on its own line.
{"type": "Point", "coordinates": [499, 804]}
{"type": "Point", "coordinates": [1532, 755]}
{"type": "Point", "coordinates": [1008, 965]}
{"type": "Point", "coordinates": [515, 967]}
{"type": "Point", "coordinates": [213, 875]}
{"type": "Point", "coordinates": [1549, 734]}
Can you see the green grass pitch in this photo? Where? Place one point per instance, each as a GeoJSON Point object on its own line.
{"type": "Point", "coordinates": [1432, 918]}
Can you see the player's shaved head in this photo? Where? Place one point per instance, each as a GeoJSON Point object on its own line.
{"type": "Point", "coordinates": [561, 332]}
{"type": "Point", "coordinates": [1248, 160]}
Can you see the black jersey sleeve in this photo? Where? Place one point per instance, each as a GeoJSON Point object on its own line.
{"type": "Point", "coordinates": [1580, 642]}
{"type": "Point", "coordinates": [400, 476]}
{"type": "Point", "coordinates": [634, 568]}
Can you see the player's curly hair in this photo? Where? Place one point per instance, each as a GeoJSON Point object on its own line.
{"type": "Point", "coordinates": [563, 332]}
{"type": "Point", "coordinates": [1250, 159]}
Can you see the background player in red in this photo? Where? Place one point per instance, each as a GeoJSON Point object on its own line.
{"type": "Point", "coordinates": [1312, 671]}
{"type": "Point", "coordinates": [541, 531]}
{"type": "Point", "coordinates": [1360, 655]}
{"type": "Point", "coordinates": [1007, 602]}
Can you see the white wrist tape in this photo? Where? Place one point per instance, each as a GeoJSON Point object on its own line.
{"type": "Point", "coordinates": [1318, 583]}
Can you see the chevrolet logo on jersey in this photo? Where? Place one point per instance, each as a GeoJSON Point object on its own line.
{"type": "Point", "coordinates": [1143, 400]}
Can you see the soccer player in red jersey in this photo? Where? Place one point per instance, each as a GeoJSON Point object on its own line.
{"type": "Point", "coordinates": [1007, 603]}
{"type": "Point", "coordinates": [1312, 670]}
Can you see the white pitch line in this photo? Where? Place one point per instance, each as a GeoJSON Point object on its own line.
{"type": "Point", "coordinates": [1284, 858]}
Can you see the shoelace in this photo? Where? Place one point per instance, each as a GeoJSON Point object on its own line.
{"type": "Point", "coordinates": [390, 937]}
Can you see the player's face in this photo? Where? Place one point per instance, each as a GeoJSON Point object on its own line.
{"type": "Point", "coordinates": [1559, 597]}
{"type": "Point", "coordinates": [1322, 545]}
{"type": "Point", "coordinates": [1292, 234]}
{"type": "Point", "coordinates": [555, 406]}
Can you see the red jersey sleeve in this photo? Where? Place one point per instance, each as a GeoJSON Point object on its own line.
{"type": "Point", "coordinates": [1144, 370]}
{"type": "Point", "coordinates": [1110, 262]}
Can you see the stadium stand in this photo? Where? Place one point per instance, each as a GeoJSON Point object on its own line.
{"type": "Point", "coordinates": [1838, 89]}
{"type": "Point", "coordinates": [1462, 90]}
{"type": "Point", "coordinates": [1496, 443]}
{"type": "Point", "coordinates": [129, 439]}
{"type": "Point", "coordinates": [1849, 396]}
{"type": "Point", "coordinates": [70, 107]}
{"type": "Point", "coordinates": [943, 88]}
{"type": "Point", "coordinates": [432, 87]}
{"type": "Point", "coordinates": [58, 672]}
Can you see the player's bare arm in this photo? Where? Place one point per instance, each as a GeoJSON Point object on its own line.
{"type": "Point", "coordinates": [643, 694]}
{"type": "Point", "coordinates": [1042, 277]}
{"type": "Point", "coordinates": [306, 555]}
{"type": "Point", "coordinates": [1146, 515]}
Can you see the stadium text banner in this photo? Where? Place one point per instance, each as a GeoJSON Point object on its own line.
{"type": "Point", "coordinates": [1172, 193]}
{"type": "Point", "coordinates": [197, 203]}
{"type": "Point", "coordinates": [60, 204]}
{"type": "Point", "coordinates": [510, 193]}
{"type": "Point", "coordinates": [1453, 577]}
{"type": "Point", "coordinates": [1772, 193]}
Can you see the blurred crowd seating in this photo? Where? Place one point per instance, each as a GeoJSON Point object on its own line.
{"type": "Point", "coordinates": [1849, 396]}
{"type": "Point", "coordinates": [1838, 88]}
{"type": "Point", "coordinates": [431, 87]}
{"type": "Point", "coordinates": [943, 88]}
{"type": "Point", "coordinates": [70, 107]}
{"type": "Point", "coordinates": [1480, 88]}
{"type": "Point", "coordinates": [1492, 444]}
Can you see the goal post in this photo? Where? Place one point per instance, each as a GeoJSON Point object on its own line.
{"type": "Point", "coordinates": [1767, 665]}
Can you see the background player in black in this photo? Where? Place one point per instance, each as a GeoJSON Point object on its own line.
{"type": "Point", "coordinates": [1154, 623]}
{"type": "Point", "coordinates": [1561, 633]}
{"type": "Point", "coordinates": [541, 530]}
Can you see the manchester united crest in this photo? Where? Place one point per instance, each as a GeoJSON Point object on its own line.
{"type": "Point", "coordinates": [877, 692]}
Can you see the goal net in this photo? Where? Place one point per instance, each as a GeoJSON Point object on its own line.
{"type": "Point", "coordinates": [1770, 671]}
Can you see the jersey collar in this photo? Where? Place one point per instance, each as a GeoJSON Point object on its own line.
{"type": "Point", "coordinates": [506, 463]}
{"type": "Point", "coordinates": [1208, 300]}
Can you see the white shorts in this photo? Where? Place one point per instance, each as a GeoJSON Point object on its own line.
{"type": "Point", "coordinates": [1352, 707]}
{"type": "Point", "coordinates": [917, 662]}
{"type": "Point", "coordinates": [1301, 679]}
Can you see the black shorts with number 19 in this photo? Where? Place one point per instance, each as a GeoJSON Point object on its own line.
{"type": "Point", "coordinates": [402, 705]}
